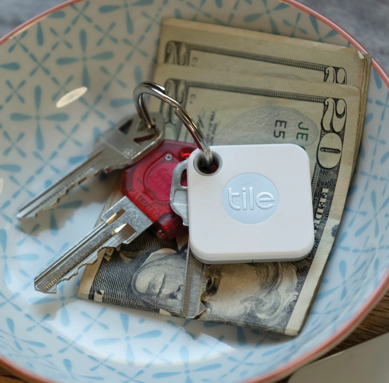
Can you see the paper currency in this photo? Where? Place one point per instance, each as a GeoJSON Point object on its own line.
{"type": "Point", "coordinates": [243, 109]}
{"type": "Point", "coordinates": [239, 109]}
{"type": "Point", "coordinates": [190, 43]}
{"type": "Point", "coordinates": [123, 277]}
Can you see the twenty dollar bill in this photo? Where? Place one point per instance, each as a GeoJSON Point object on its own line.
{"type": "Point", "coordinates": [208, 46]}
{"type": "Point", "coordinates": [216, 47]}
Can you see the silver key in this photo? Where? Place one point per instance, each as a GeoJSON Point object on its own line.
{"type": "Point", "coordinates": [122, 223]}
{"type": "Point", "coordinates": [179, 193]}
{"type": "Point", "coordinates": [148, 186]}
{"type": "Point", "coordinates": [121, 146]}
{"type": "Point", "coordinates": [194, 286]}
{"type": "Point", "coordinates": [194, 278]}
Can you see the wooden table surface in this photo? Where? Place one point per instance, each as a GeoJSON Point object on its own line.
{"type": "Point", "coordinates": [376, 323]}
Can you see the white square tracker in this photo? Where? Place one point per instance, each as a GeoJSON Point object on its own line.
{"type": "Point", "coordinates": [256, 207]}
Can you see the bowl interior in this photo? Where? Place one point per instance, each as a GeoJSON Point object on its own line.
{"type": "Point", "coordinates": [106, 48]}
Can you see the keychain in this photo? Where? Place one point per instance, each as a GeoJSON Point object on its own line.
{"type": "Point", "coordinates": [245, 203]}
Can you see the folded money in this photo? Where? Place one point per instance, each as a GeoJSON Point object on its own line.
{"type": "Point", "coordinates": [149, 275]}
{"type": "Point", "coordinates": [190, 43]}
{"type": "Point", "coordinates": [194, 44]}
{"type": "Point", "coordinates": [275, 104]}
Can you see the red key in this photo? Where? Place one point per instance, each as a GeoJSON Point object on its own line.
{"type": "Point", "coordinates": [146, 186]}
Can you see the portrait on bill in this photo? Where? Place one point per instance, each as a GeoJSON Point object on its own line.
{"type": "Point", "coordinates": [150, 275]}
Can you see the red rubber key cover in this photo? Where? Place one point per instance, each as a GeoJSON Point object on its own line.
{"type": "Point", "coordinates": [147, 184]}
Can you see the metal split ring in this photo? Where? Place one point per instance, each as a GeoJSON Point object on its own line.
{"type": "Point", "coordinates": [159, 91]}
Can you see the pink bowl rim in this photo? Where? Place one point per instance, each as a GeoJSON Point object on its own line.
{"type": "Point", "coordinates": [346, 329]}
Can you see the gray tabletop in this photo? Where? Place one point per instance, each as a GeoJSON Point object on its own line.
{"type": "Point", "coordinates": [367, 20]}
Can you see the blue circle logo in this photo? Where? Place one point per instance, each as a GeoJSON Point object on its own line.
{"type": "Point", "coordinates": [250, 198]}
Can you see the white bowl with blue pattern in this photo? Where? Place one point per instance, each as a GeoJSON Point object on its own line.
{"type": "Point", "coordinates": [109, 46]}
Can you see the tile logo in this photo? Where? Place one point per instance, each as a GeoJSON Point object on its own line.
{"type": "Point", "coordinates": [250, 198]}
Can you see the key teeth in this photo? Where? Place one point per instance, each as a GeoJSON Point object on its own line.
{"type": "Point", "coordinates": [53, 289]}
{"type": "Point", "coordinates": [33, 207]}
{"type": "Point", "coordinates": [75, 272]}
{"type": "Point", "coordinates": [91, 260]}
{"type": "Point", "coordinates": [24, 213]}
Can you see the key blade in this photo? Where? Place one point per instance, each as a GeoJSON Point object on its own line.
{"type": "Point", "coordinates": [51, 196]}
{"type": "Point", "coordinates": [120, 235]}
{"type": "Point", "coordinates": [122, 221]}
{"type": "Point", "coordinates": [121, 146]}
{"type": "Point", "coordinates": [179, 193]}
{"type": "Point", "coordinates": [194, 286]}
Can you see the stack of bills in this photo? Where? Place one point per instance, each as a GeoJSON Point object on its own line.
{"type": "Point", "coordinates": [245, 87]}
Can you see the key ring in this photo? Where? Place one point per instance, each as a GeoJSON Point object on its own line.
{"type": "Point", "coordinates": [159, 91]}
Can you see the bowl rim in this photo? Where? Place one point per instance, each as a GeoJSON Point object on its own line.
{"type": "Point", "coordinates": [326, 345]}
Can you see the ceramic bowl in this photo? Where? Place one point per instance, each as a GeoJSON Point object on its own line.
{"type": "Point", "coordinates": [109, 47]}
